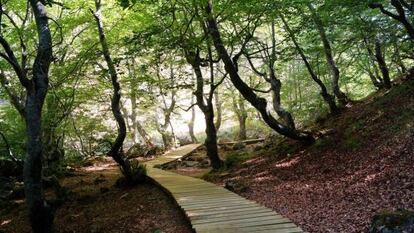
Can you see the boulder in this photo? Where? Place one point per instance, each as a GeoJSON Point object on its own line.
{"type": "Point", "coordinates": [184, 141]}
{"type": "Point", "coordinates": [155, 151]}
{"type": "Point", "coordinates": [191, 163]}
{"type": "Point", "coordinates": [399, 221]}
{"type": "Point", "coordinates": [137, 150]}
{"type": "Point", "coordinates": [239, 146]}
{"type": "Point", "coordinates": [18, 191]}
{"type": "Point", "coordinates": [205, 163]}
{"type": "Point", "coordinates": [170, 166]}
{"type": "Point", "coordinates": [258, 147]}
{"type": "Point", "coordinates": [236, 186]}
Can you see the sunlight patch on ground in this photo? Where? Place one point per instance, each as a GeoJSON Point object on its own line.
{"type": "Point", "coordinates": [5, 222]}
{"type": "Point", "coordinates": [287, 163]}
{"type": "Point", "coordinates": [370, 177]}
{"type": "Point", "coordinates": [100, 167]}
{"type": "Point", "coordinates": [265, 178]}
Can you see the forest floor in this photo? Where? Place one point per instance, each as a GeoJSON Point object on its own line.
{"type": "Point", "coordinates": [95, 205]}
{"type": "Point", "coordinates": [361, 165]}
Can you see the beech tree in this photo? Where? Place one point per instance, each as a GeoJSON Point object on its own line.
{"type": "Point", "coordinates": [116, 151]}
{"type": "Point", "coordinates": [259, 103]}
{"type": "Point", "coordinates": [402, 7]}
{"type": "Point", "coordinates": [41, 213]}
{"type": "Point", "coordinates": [329, 99]}
{"type": "Point", "coordinates": [343, 99]}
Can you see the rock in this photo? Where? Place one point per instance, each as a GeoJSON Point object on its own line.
{"type": "Point", "coordinates": [157, 231]}
{"type": "Point", "coordinates": [190, 159]}
{"type": "Point", "coordinates": [236, 186]}
{"type": "Point", "coordinates": [99, 179]}
{"type": "Point", "coordinates": [155, 151]}
{"type": "Point", "coordinates": [191, 163]}
{"type": "Point", "coordinates": [258, 147]}
{"type": "Point", "coordinates": [399, 221]}
{"type": "Point", "coordinates": [225, 147]}
{"type": "Point", "coordinates": [137, 150]}
{"type": "Point", "coordinates": [205, 163]}
{"type": "Point", "coordinates": [239, 146]}
{"type": "Point", "coordinates": [271, 141]}
{"type": "Point", "coordinates": [18, 191]}
{"type": "Point", "coordinates": [184, 141]}
{"type": "Point", "coordinates": [169, 166]}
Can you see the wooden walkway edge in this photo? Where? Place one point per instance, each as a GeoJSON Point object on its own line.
{"type": "Point", "coordinates": [211, 208]}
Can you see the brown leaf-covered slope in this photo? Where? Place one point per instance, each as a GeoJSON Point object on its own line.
{"type": "Point", "coordinates": [95, 205]}
{"type": "Point", "coordinates": [364, 165]}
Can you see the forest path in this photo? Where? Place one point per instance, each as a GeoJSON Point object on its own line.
{"type": "Point", "coordinates": [211, 208]}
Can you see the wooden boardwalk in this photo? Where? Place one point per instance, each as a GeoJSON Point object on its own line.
{"type": "Point", "coordinates": [213, 209]}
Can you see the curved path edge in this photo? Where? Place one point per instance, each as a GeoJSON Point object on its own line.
{"type": "Point", "coordinates": [212, 209]}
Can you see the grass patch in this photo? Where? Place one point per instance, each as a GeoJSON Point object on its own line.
{"type": "Point", "coordinates": [236, 158]}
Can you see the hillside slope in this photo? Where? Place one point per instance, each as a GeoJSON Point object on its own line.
{"type": "Point", "coordinates": [362, 163]}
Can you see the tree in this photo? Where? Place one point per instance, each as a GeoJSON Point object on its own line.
{"type": "Point", "coordinates": [206, 104]}
{"type": "Point", "coordinates": [269, 59]}
{"type": "Point", "coordinates": [40, 212]}
{"type": "Point", "coordinates": [116, 151]}
{"type": "Point", "coordinates": [239, 109]}
{"type": "Point", "coordinates": [259, 103]}
{"type": "Point", "coordinates": [329, 99]}
{"type": "Point", "coordinates": [401, 6]}
{"type": "Point", "coordinates": [191, 122]}
{"type": "Point", "coordinates": [168, 95]}
{"type": "Point", "coordinates": [343, 99]}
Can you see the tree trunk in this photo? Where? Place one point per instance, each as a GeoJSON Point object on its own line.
{"type": "Point", "coordinates": [191, 122]}
{"type": "Point", "coordinates": [399, 61]}
{"type": "Point", "coordinates": [116, 150]}
{"type": "Point", "coordinates": [241, 113]}
{"type": "Point", "coordinates": [342, 98]}
{"type": "Point", "coordinates": [382, 65]}
{"type": "Point", "coordinates": [144, 135]}
{"type": "Point", "coordinates": [167, 139]}
{"type": "Point", "coordinates": [400, 16]}
{"type": "Point", "coordinates": [276, 87]}
{"type": "Point", "coordinates": [329, 99]}
{"type": "Point", "coordinates": [40, 213]}
{"type": "Point", "coordinates": [211, 140]}
{"type": "Point", "coordinates": [218, 105]}
{"type": "Point", "coordinates": [374, 76]}
{"type": "Point", "coordinates": [193, 58]}
{"type": "Point", "coordinates": [259, 103]}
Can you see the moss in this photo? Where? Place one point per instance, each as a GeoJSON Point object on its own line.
{"type": "Point", "coordinates": [212, 176]}
{"type": "Point", "coordinates": [352, 143]}
{"type": "Point", "coordinates": [323, 143]}
{"type": "Point", "coordinates": [393, 219]}
{"type": "Point", "coordinates": [235, 158]}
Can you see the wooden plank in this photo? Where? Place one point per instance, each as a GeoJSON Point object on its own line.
{"type": "Point", "coordinates": [209, 200]}
{"type": "Point", "coordinates": [281, 227]}
{"type": "Point", "coordinates": [211, 213]}
{"type": "Point", "coordinates": [241, 224]}
{"type": "Point", "coordinates": [256, 220]}
{"type": "Point", "coordinates": [229, 206]}
{"type": "Point", "coordinates": [226, 218]}
{"type": "Point", "coordinates": [211, 208]}
{"type": "Point", "coordinates": [218, 203]}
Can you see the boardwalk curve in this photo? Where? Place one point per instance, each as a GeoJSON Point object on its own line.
{"type": "Point", "coordinates": [213, 209]}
